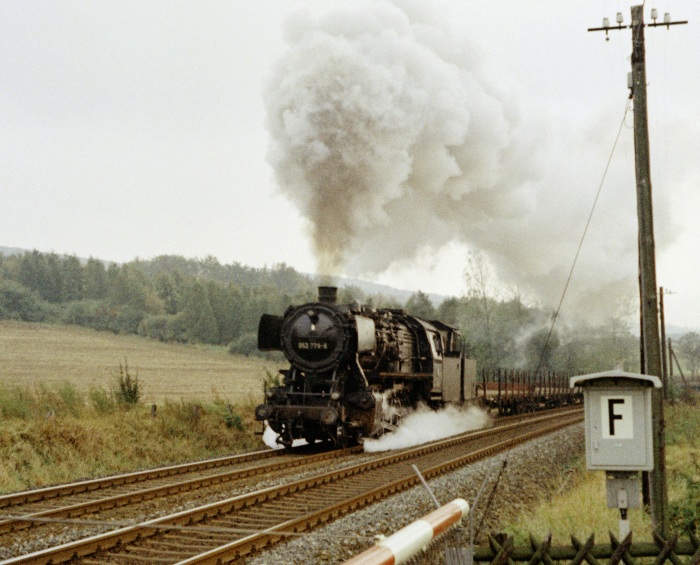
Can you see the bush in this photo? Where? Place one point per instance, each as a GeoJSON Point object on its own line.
{"type": "Point", "coordinates": [96, 314]}
{"type": "Point", "coordinates": [17, 302]}
{"type": "Point", "coordinates": [127, 320]}
{"type": "Point", "coordinates": [102, 315]}
{"type": "Point", "coordinates": [232, 420]}
{"type": "Point", "coordinates": [247, 345]}
{"type": "Point", "coordinates": [163, 328]}
{"type": "Point", "coordinates": [85, 313]}
{"type": "Point", "coordinates": [128, 388]}
{"type": "Point", "coordinates": [155, 327]}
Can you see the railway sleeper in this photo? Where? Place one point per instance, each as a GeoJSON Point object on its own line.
{"type": "Point", "coordinates": [155, 552]}
{"type": "Point", "coordinates": [238, 529]}
{"type": "Point", "coordinates": [209, 537]}
{"type": "Point", "coordinates": [188, 545]}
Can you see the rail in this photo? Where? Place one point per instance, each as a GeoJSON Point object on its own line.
{"type": "Point", "coordinates": [238, 526]}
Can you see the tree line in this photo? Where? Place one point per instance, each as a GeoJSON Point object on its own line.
{"type": "Point", "coordinates": [175, 299]}
{"type": "Point", "coordinates": [169, 298]}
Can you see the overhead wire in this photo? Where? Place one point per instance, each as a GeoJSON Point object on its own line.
{"type": "Point", "coordinates": [583, 235]}
{"type": "Point", "coordinates": [566, 288]}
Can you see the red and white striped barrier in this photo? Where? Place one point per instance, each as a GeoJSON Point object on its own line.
{"type": "Point", "coordinates": [415, 537]}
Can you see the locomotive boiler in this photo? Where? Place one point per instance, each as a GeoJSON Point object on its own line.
{"type": "Point", "coordinates": [355, 370]}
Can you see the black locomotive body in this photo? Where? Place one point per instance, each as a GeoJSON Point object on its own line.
{"type": "Point", "coordinates": [354, 369]}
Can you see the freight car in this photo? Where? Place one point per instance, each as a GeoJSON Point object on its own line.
{"type": "Point", "coordinates": [517, 391]}
{"type": "Point", "coordinates": [355, 371]}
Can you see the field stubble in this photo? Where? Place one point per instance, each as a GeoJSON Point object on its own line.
{"type": "Point", "coordinates": [48, 355]}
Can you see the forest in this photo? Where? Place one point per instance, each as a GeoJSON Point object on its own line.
{"type": "Point", "coordinates": [176, 299]}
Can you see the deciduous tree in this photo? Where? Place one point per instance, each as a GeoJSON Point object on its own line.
{"type": "Point", "coordinates": [688, 347]}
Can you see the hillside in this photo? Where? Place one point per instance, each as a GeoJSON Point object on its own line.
{"type": "Point", "coordinates": [45, 354]}
{"type": "Point", "coordinates": [369, 288]}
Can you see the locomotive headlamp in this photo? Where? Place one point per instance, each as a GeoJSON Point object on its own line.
{"type": "Point", "coordinates": [269, 393]}
{"type": "Point", "coordinates": [335, 395]}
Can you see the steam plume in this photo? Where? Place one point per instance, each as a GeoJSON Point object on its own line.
{"type": "Point", "coordinates": [391, 138]}
{"type": "Point", "coordinates": [380, 128]}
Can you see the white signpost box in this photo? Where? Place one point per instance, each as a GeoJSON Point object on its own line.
{"type": "Point", "coordinates": [619, 440]}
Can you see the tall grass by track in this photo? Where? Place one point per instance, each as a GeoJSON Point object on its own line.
{"type": "Point", "coordinates": [579, 507]}
{"type": "Point", "coordinates": [54, 435]}
{"type": "Point", "coordinates": [61, 419]}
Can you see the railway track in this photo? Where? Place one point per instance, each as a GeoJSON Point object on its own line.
{"type": "Point", "coordinates": [230, 529]}
{"type": "Point", "coordinates": [37, 507]}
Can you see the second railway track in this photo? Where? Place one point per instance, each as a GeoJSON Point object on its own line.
{"type": "Point", "coordinates": [229, 529]}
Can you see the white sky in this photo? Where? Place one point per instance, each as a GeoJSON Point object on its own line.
{"type": "Point", "coordinates": [132, 129]}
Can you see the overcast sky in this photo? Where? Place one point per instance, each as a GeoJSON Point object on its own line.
{"type": "Point", "coordinates": [133, 129]}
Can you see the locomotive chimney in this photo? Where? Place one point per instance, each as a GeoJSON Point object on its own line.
{"type": "Point", "coordinates": [328, 294]}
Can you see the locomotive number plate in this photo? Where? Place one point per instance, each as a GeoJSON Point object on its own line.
{"type": "Point", "coordinates": [312, 345]}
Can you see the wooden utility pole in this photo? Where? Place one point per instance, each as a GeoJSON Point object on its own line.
{"type": "Point", "coordinates": [647, 248]}
{"type": "Point", "coordinates": [647, 265]}
{"type": "Point", "coordinates": [650, 343]}
{"type": "Point", "coordinates": [664, 355]}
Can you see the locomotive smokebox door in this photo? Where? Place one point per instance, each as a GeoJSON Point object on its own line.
{"type": "Point", "coordinates": [617, 407]}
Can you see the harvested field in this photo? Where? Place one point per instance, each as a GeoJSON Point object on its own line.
{"type": "Point", "coordinates": [45, 354]}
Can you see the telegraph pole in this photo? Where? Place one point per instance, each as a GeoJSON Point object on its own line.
{"type": "Point", "coordinates": [647, 274]}
{"type": "Point", "coordinates": [647, 248]}
{"type": "Point", "coordinates": [651, 345]}
{"type": "Point", "coordinates": [664, 350]}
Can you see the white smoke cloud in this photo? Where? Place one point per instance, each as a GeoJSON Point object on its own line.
{"type": "Point", "coordinates": [379, 127]}
{"type": "Point", "coordinates": [426, 425]}
{"type": "Point", "coordinates": [391, 137]}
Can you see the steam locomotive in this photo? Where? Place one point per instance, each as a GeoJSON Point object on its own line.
{"type": "Point", "coordinates": [355, 370]}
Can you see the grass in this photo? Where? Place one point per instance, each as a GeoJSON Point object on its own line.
{"type": "Point", "coordinates": [61, 421]}
{"type": "Point", "coordinates": [580, 507]}
{"type": "Point", "coordinates": [62, 447]}
{"type": "Point", "coordinates": [63, 415]}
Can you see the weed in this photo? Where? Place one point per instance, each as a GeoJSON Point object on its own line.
{"type": "Point", "coordinates": [16, 402]}
{"type": "Point", "coordinates": [102, 401]}
{"type": "Point", "coordinates": [273, 379]}
{"type": "Point", "coordinates": [71, 398]}
{"type": "Point", "coordinates": [234, 421]}
{"type": "Point", "coordinates": [128, 388]}
{"type": "Point", "coordinates": [684, 512]}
